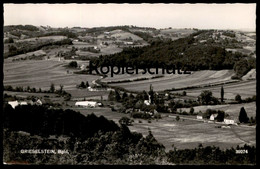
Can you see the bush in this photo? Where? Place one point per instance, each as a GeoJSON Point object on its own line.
{"type": "Point", "coordinates": [238, 98]}
{"type": "Point", "coordinates": [157, 116]}
{"type": "Point", "coordinates": [73, 64]}
{"type": "Point", "coordinates": [141, 115]}
{"type": "Point", "coordinates": [177, 118]}
{"type": "Point", "coordinates": [126, 121]}
{"type": "Point", "coordinates": [191, 110]}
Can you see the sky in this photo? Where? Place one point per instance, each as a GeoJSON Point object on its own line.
{"type": "Point", "coordinates": [201, 16]}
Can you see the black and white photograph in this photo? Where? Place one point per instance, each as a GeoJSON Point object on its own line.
{"type": "Point", "coordinates": [129, 84]}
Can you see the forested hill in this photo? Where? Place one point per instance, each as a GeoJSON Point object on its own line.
{"type": "Point", "coordinates": [39, 120]}
{"type": "Point", "coordinates": [187, 53]}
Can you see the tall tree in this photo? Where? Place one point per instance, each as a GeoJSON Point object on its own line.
{"type": "Point", "coordinates": [124, 95]}
{"type": "Point", "coordinates": [87, 85]}
{"type": "Point", "coordinates": [222, 94]}
{"type": "Point", "coordinates": [111, 95]}
{"type": "Point", "coordinates": [61, 88]}
{"type": "Point", "coordinates": [52, 88]}
{"type": "Point", "coordinates": [243, 116]}
{"type": "Point", "coordinates": [151, 94]}
{"type": "Point", "coordinates": [118, 97]}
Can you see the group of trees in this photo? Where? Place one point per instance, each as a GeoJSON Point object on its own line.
{"type": "Point", "coordinates": [13, 50]}
{"type": "Point", "coordinates": [239, 99]}
{"type": "Point", "coordinates": [20, 27]}
{"type": "Point", "coordinates": [52, 89]}
{"type": "Point", "coordinates": [206, 98]}
{"type": "Point", "coordinates": [40, 120]}
{"type": "Point", "coordinates": [9, 40]}
{"type": "Point", "coordinates": [116, 96]}
{"type": "Point", "coordinates": [211, 155]}
{"type": "Point", "coordinates": [67, 33]}
{"type": "Point", "coordinates": [90, 139]}
{"type": "Point", "coordinates": [60, 92]}
{"type": "Point", "coordinates": [83, 85]}
{"type": "Point", "coordinates": [73, 64]}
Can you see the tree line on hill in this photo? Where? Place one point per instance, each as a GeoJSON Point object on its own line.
{"type": "Point", "coordinates": [21, 27]}
{"type": "Point", "coordinates": [13, 50]}
{"type": "Point", "coordinates": [29, 89]}
{"type": "Point", "coordinates": [184, 53]}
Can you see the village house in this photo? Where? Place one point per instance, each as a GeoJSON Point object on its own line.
{"type": "Point", "coordinates": [153, 112]}
{"type": "Point", "coordinates": [83, 67]}
{"type": "Point", "coordinates": [229, 121]}
{"type": "Point", "coordinates": [13, 103]}
{"type": "Point", "coordinates": [128, 43]}
{"type": "Point", "coordinates": [86, 104]}
{"type": "Point", "coordinates": [23, 103]}
{"type": "Point", "coordinates": [213, 116]}
{"type": "Point", "coordinates": [146, 102]}
{"type": "Point", "coordinates": [16, 103]}
{"type": "Point", "coordinates": [130, 110]}
{"type": "Point", "coordinates": [38, 102]}
{"type": "Point", "coordinates": [199, 117]}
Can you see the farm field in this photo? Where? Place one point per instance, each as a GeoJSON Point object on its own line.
{"type": "Point", "coordinates": [111, 49]}
{"type": "Point", "coordinates": [189, 133]}
{"type": "Point", "coordinates": [196, 78]}
{"type": "Point", "coordinates": [41, 73]}
{"type": "Point", "coordinates": [122, 77]}
{"type": "Point", "coordinates": [84, 93]}
{"type": "Point", "coordinates": [231, 109]}
{"type": "Point", "coordinates": [175, 34]}
{"type": "Point", "coordinates": [243, 88]}
{"type": "Point", "coordinates": [183, 134]}
{"type": "Point", "coordinates": [45, 97]}
{"type": "Point", "coordinates": [37, 53]}
{"type": "Point", "coordinates": [122, 35]}
{"type": "Point", "coordinates": [44, 38]}
{"type": "Point", "coordinates": [26, 94]}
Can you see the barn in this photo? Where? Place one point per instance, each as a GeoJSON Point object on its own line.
{"type": "Point", "coordinates": [86, 104]}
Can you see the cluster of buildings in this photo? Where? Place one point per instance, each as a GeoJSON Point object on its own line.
{"type": "Point", "coordinates": [213, 118]}
{"type": "Point", "coordinates": [16, 103]}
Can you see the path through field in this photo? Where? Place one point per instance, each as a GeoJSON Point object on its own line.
{"type": "Point", "coordinates": [41, 73]}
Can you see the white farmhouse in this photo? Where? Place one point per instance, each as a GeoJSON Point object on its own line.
{"type": "Point", "coordinates": [38, 102]}
{"type": "Point", "coordinates": [83, 67]}
{"type": "Point", "coordinates": [86, 104]}
{"type": "Point", "coordinates": [147, 102]}
{"type": "Point", "coordinates": [23, 103]}
{"type": "Point", "coordinates": [16, 103]}
{"type": "Point", "coordinates": [128, 43]}
{"type": "Point", "coordinates": [13, 103]}
{"type": "Point", "coordinates": [229, 121]}
{"type": "Point", "coordinates": [213, 116]}
{"type": "Point", "coordinates": [199, 117]}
